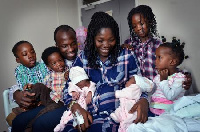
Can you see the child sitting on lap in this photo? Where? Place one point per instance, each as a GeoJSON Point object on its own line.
{"type": "Point", "coordinates": [58, 72]}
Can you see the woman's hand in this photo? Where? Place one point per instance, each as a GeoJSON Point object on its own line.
{"type": "Point", "coordinates": [86, 116]}
{"type": "Point", "coordinates": [188, 81]}
{"type": "Point", "coordinates": [142, 110]}
{"type": "Point", "coordinates": [23, 98]}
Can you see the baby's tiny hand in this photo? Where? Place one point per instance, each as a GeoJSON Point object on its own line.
{"type": "Point", "coordinates": [163, 74]}
{"type": "Point", "coordinates": [75, 95]}
{"type": "Point", "coordinates": [66, 75]}
{"type": "Point", "coordinates": [88, 98]}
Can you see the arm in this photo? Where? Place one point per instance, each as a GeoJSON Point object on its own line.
{"type": "Point", "coordinates": [173, 90]}
{"type": "Point", "coordinates": [20, 78]}
{"type": "Point", "coordinates": [142, 105]}
{"type": "Point", "coordinates": [67, 98]}
{"type": "Point", "coordinates": [22, 97]}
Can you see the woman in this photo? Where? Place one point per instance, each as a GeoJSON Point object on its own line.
{"type": "Point", "coordinates": [109, 67]}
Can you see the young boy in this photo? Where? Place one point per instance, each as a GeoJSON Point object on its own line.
{"type": "Point", "coordinates": [58, 72]}
{"type": "Point", "coordinates": [27, 73]}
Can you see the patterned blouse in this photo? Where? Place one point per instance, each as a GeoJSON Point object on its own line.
{"type": "Point", "coordinates": [146, 55]}
{"type": "Point", "coordinates": [108, 79]}
{"type": "Point", "coordinates": [32, 75]}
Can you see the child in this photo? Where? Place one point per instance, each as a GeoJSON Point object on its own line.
{"type": "Point", "coordinates": [81, 90]}
{"type": "Point", "coordinates": [27, 73]}
{"type": "Point", "coordinates": [144, 41]}
{"type": "Point", "coordinates": [58, 72]}
{"type": "Point", "coordinates": [136, 85]}
{"type": "Point", "coordinates": [144, 38]}
{"type": "Point", "coordinates": [169, 81]}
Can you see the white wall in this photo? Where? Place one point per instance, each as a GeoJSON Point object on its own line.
{"type": "Point", "coordinates": [180, 18]}
{"type": "Point", "coordinates": [32, 20]}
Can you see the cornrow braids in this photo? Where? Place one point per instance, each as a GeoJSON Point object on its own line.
{"type": "Point", "coordinates": [98, 21]}
{"type": "Point", "coordinates": [14, 49]}
{"type": "Point", "coordinates": [176, 47]}
{"type": "Point", "coordinates": [147, 13]}
{"type": "Point", "coordinates": [63, 28]}
{"type": "Point", "coordinates": [48, 51]}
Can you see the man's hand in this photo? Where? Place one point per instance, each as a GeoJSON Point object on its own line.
{"type": "Point", "coordinates": [86, 116]}
{"type": "Point", "coordinates": [142, 111]}
{"type": "Point", "coordinates": [188, 81]}
{"type": "Point", "coordinates": [22, 98]}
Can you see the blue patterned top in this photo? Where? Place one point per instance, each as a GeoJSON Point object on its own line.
{"type": "Point", "coordinates": [108, 79]}
{"type": "Point", "coordinates": [32, 75]}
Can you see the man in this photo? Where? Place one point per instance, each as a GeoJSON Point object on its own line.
{"type": "Point", "coordinates": [65, 38]}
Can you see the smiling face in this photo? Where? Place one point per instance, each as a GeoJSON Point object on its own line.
{"type": "Point", "coordinates": [163, 58]}
{"type": "Point", "coordinates": [104, 41]}
{"type": "Point", "coordinates": [56, 62]}
{"type": "Point", "coordinates": [67, 44]}
{"type": "Point", "coordinates": [26, 55]}
{"type": "Point", "coordinates": [140, 26]}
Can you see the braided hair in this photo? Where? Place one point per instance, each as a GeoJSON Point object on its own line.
{"type": "Point", "coordinates": [147, 13]}
{"type": "Point", "coordinates": [176, 47]}
{"type": "Point", "coordinates": [98, 21]}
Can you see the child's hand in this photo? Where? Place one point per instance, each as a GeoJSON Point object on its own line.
{"type": "Point", "coordinates": [163, 74]}
{"type": "Point", "coordinates": [28, 86]}
{"type": "Point", "coordinates": [75, 95]}
{"type": "Point", "coordinates": [127, 46]}
{"type": "Point", "coordinates": [88, 98]}
{"type": "Point", "coordinates": [66, 75]}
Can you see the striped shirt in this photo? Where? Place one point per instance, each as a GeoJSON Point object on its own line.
{"type": "Point", "coordinates": [166, 92]}
{"type": "Point", "coordinates": [56, 82]}
{"type": "Point", "coordinates": [108, 79]}
{"type": "Point", "coordinates": [25, 75]}
{"type": "Point", "coordinates": [145, 53]}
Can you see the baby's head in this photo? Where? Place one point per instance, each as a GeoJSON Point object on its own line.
{"type": "Point", "coordinates": [79, 77]}
{"type": "Point", "coordinates": [170, 54]}
{"type": "Point", "coordinates": [24, 53]}
{"type": "Point", "coordinates": [53, 59]}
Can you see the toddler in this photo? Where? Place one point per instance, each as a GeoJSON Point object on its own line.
{"type": "Point", "coordinates": [58, 72]}
{"type": "Point", "coordinates": [81, 90]}
{"type": "Point", "coordinates": [169, 81]}
{"type": "Point", "coordinates": [128, 97]}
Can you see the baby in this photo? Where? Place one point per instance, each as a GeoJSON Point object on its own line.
{"type": "Point", "coordinates": [81, 89]}
{"type": "Point", "coordinates": [128, 97]}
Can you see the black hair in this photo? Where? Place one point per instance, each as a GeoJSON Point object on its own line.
{"type": "Point", "coordinates": [14, 49]}
{"type": "Point", "coordinates": [48, 51]}
{"type": "Point", "coordinates": [176, 47]}
{"type": "Point", "coordinates": [147, 13]}
{"type": "Point", "coordinates": [63, 28]}
{"type": "Point", "coordinates": [98, 21]}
